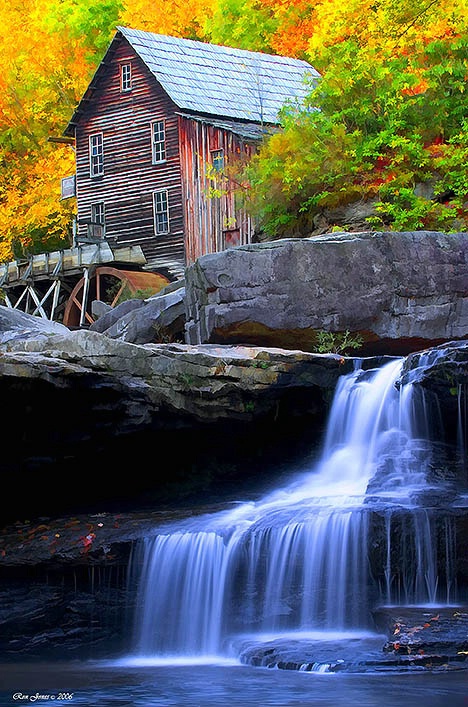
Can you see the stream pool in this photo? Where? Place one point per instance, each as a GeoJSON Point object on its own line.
{"type": "Point", "coordinates": [106, 684]}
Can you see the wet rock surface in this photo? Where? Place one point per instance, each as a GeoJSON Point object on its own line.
{"type": "Point", "coordinates": [421, 630]}
{"type": "Point", "coordinates": [65, 586]}
{"type": "Point", "coordinates": [409, 639]}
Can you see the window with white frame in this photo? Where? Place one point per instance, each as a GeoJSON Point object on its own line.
{"type": "Point", "coordinates": [161, 211]}
{"type": "Point", "coordinates": [96, 154]}
{"type": "Point", "coordinates": [158, 141]}
{"type": "Point", "coordinates": [98, 212]}
{"type": "Point", "coordinates": [125, 77]}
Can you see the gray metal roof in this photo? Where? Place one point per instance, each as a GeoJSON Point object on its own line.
{"type": "Point", "coordinates": [219, 80]}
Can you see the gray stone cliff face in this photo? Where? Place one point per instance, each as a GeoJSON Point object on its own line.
{"type": "Point", "coordinates": [401, 291]}
{"type": "Point", "coordinates": [82, 405]}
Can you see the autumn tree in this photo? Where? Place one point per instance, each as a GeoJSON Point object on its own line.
{"type": "Point", "coordinates": [386, 124]}
{"type": "Point", "coordinates": [179, 18]}
{"type": "Point", "coordinates": [276, 26]}
{"type": "Point", "coordinates": [48, 55]}
{"type": "Point", "coordinates": [49, 50]}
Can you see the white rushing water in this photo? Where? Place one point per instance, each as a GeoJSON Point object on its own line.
{"type": "Point", "coordinates": [298, 560]}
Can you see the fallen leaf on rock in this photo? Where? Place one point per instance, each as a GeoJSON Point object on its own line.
{"type": "Point", "coordinates": [87, 541]}
{"type": "Point", "coordinates": [415, 629]}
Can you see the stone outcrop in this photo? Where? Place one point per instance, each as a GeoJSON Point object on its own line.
{"type": "Point", "coordinates": [198, 383]}
{"type": "Point", "coordinates": [196, 414]}
{"type": "Point", "coordinates": [160, 318]}
{"type": "Point", "coordinates": [419, 631]}
{"type": "Point", "coordinates": [401, 292]}
{"type": "Point", "coordinates": [210, 417]}
{"type": "Point", "coordinates": [71, 387]}
{"type": "Point", "coordinates": [418, 638]}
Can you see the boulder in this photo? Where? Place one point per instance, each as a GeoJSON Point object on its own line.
{"type": "Point", "coordinates": [400, 292]}
{"type": "Point", "coordinates": [17, 325]}
{"type": "Point", "coordinates": [159, 318]}
{"type": "Point", "coordinates": [110, 315]}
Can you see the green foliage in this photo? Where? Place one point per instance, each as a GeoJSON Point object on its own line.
{"type": "Point", "coordinates": [245, 24]}
{"type": "Point", "coordinates": [40, 240]}
{"type": "Point", "coordinates": [264, 365]}
{"type": "Point", "coordinates": [187, 380]}
{"type": "Point", "coordinates": [164, 336]}
{"type": "Point", "coordinates": [127, 293]}
{"type": "Point", "coordinates": [338, 343]}
{"type": "Point", "coordinates": [379, 125]}
{"type": "Point", "coordinates": [93, 22]}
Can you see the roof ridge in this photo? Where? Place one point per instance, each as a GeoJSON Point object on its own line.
{"type": "Point", "coordinates": [226, 47]}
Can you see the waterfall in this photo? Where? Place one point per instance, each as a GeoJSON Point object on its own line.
{"type": "Point", "coordinates": [300, 559]}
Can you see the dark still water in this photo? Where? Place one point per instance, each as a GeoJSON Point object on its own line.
{"type": "Point", "coordinates": [98, 684]}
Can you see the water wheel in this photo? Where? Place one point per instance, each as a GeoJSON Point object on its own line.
{"type": "Point", "coordinates": [109, 285]}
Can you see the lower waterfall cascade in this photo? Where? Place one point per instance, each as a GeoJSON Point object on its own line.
{"type": "Point", "coordinates": [356, 530]}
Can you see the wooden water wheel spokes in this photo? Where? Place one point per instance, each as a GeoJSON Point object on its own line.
{"type": "Point", "coordinates": [108, 285]}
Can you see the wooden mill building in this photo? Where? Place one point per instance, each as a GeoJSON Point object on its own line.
{"type": "Point", "coordinates": [158, 134]}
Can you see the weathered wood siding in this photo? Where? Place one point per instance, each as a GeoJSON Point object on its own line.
{"type": "Point", "coordinates": [212, 222]}
{"type": "Point", "coordinates": [130, 178]}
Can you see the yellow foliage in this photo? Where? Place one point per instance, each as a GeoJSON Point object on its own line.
{"type": "Point", "coordinates": [30, 202]}
{"type": "Point", "coordinates": [180, 19]}
{"type": "Point", "coordinates": [386, 25]}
